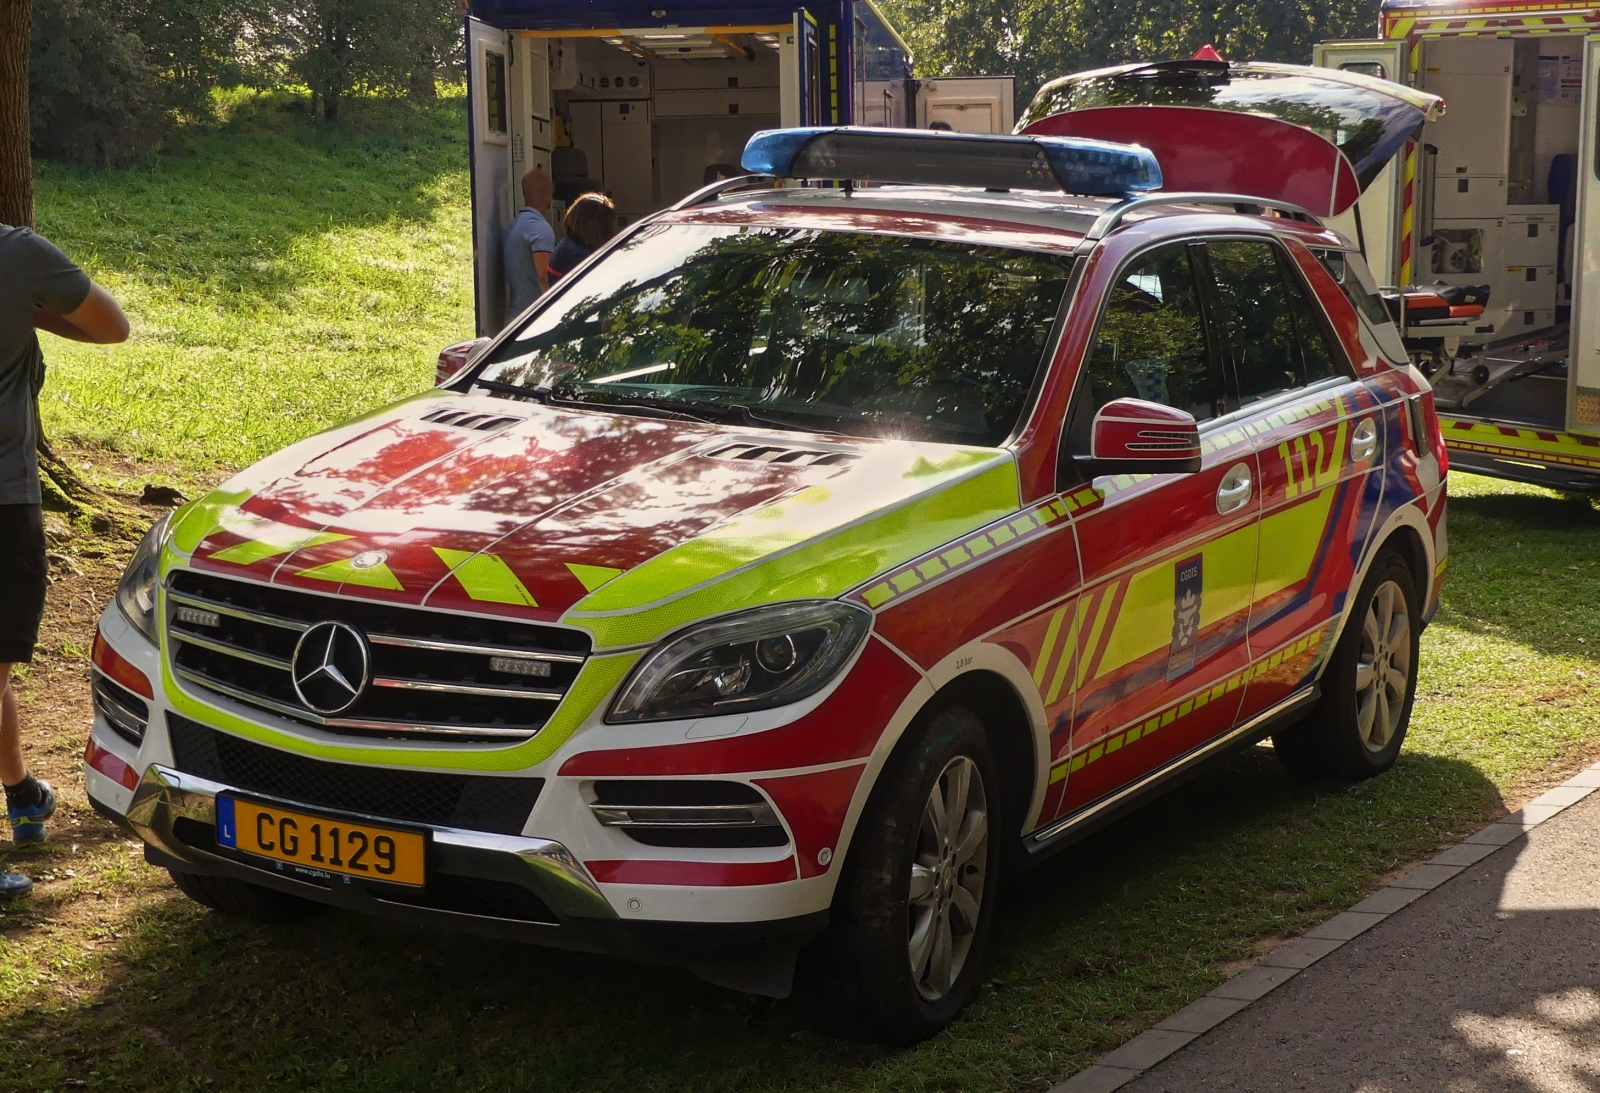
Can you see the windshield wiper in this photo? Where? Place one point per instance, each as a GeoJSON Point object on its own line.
{"type": "Point", "coordinates": [657, 407]}
{"type": "Point", "coordinates": [517, 390]}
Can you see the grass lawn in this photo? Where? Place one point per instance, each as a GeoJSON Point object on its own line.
{"type": "Point", "coordinates": [282, 278]}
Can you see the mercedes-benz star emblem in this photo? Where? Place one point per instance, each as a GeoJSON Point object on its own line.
{"type": "Point", "coordinates": [331, 667]}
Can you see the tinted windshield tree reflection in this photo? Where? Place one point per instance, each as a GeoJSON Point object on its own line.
{"type": "Point", "coordinates": [851, 332]}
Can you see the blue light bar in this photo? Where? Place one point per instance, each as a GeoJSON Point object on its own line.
{"type": "Point", "coordinates": [1074, 165]}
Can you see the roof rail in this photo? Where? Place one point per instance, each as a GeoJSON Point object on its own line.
{"type": "Point", "coordinates": [1108, 220]}
{"type": "Point", "coordinates": [716, 189]}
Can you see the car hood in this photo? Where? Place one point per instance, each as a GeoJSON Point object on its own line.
{"type": "Point", "coordinates": [628, 527]}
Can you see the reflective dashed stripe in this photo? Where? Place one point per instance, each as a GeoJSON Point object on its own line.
{"type": "Point", "coordinates": [1183, 709]}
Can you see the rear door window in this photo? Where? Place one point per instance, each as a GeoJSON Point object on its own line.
{"type": "Point", "coordinates": [1272, 337]}
{"type": "Point", "coordinates": [1152, 338]}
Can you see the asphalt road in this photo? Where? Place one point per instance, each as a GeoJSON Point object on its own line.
{"type": "Point", "coordinates": [1491, 982]}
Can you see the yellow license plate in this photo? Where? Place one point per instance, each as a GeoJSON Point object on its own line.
{"type": "Point", "coordinates": [322, 845]}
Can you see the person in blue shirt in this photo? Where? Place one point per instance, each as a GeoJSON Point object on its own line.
{"type": "Point", "coordinates": [528, 244]}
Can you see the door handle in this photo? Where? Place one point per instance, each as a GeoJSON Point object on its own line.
{"type": "Point", "coordinates": [1364, 441]}
{"type": "Point", "coordinates": [1233, 493]}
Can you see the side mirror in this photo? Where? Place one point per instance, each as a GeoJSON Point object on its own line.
{"type": "Point", "coordinates": [1132, 436]}
{"type": "Point", "coordinates": [453, 358]}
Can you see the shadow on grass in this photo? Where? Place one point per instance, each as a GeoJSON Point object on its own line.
{"type": "Point", "coordinates": [220, 210]}
{"type": "Point", "coordinates": [1102, 940]}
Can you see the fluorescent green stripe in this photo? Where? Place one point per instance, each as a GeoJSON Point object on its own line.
{"type": "Point", "coordinates": [192, 523]}
{"type": "Point", "coordinates": [486, 577]}
{"type": "Point", "coordinates": [593, 576]}
{"type": "Point", "coordinates": [375, 576]}
{"type": "Point", "coordinates": [257, 550]}
{"type": "Point", "coordinates": [596, 680]}
{"type": "Point", "coordinates": [825, 566]}
{"type": "Point", "coordinates": [881, 480]}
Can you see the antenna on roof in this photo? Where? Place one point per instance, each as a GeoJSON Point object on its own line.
{"type": "Point", "coordinates": [1207, 52]}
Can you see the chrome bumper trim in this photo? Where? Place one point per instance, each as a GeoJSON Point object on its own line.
{"type": "Point", "coordinates": [543, 866]}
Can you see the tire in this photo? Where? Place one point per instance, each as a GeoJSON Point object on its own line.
{"type": "Point", "coordinates": [1358, 726]}
{"type": "Point", "coordinates": [897, 965]}
{"type": "Point", "coordinates": [241, 898]}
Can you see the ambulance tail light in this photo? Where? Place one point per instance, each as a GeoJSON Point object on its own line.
{"type": "Point", "coordinates": [1074, 165]}
{"type": "Point", "coordinates": [1132, 436]}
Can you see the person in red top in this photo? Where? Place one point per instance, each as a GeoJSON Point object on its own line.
{"type": "Point", "coordinates": [590, 221]}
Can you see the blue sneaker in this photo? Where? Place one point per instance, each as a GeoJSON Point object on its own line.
{"type": "Point", "coordinates": [27, 824]}
{"type": "Point", "coordinates": [13, 885]}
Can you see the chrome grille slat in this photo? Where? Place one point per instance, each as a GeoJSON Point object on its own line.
{"type": "Point", "coordinates": [690, 816]}
{"type": "Point", "coordinates": [400, 727]}
{"type": "Point", "coordinates": [485, 650]}
{"type": "Point", "coordinates": [229, 650]}
{"type": "Point", "coordinates": [547, 695]}
{"type": "Point", "coordinates": [237, 612]}
{"type": "Point", "coordinates": [431, 674]}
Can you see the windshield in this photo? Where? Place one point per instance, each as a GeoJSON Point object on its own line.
{"type": "Point", "coordinates": [828, 331]}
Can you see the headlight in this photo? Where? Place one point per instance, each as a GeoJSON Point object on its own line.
{"type": "Point", "coordinates": [136, 594]}
{"type": "Point", "coordinates": [751, 661]}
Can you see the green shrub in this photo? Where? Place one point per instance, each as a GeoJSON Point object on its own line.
{"type": "Point", "coordinates": [94, 94]}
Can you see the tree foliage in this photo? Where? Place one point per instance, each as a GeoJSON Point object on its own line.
{"type": "Point", "coordinates": [109, 77]}
{"type": "Point", "coordinates": [334, 47]}
{"type": "Point", "coordinates": [1037, 40]}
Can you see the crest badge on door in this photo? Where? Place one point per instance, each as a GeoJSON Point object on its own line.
{"type": "Point", "coordinates": [1185, 615]}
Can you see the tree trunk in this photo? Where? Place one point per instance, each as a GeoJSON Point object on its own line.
{"type": "Point", "coordinates": [16, 161]}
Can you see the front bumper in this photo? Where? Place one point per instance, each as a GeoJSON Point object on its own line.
{"type": "Point", "coordinates": [174, 813]}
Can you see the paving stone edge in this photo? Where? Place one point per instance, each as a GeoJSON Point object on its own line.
{"type": "Point", "coordinates": [1121, 1066]}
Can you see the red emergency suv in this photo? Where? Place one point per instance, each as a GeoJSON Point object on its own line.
{"type": "Point", "coordinates": [806, 557]}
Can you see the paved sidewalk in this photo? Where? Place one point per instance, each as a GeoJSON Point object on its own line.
{"type": "Point", "coordinates": [1477, 972]}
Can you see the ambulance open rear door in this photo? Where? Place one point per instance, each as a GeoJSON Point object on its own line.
{"type": "Point", "coordinates": [489, 107]}
{"type": "Point", "coordinates": [1382, 204]}
{"type": "Point", "coordinates": [1583, 362]}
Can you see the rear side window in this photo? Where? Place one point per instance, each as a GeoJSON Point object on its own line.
{"type": "Point", "coordinates": [1316, 355]}
{"type": "Point", "coordinates": [1152, 340]}
{"type": "Point", "coordinates": [1347, 270]}
{"type": "Point", "coordinates": [1268, 327]}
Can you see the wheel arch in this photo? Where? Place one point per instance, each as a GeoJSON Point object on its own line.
{"type": "Point", "coordinates": [994, 701]}
{"type": "Point", "coordinates": [1407, 532]}
{"type": "Point", "coordinates": [989, 680]}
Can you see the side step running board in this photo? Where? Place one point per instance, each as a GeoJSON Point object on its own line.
{"type": "Point", "coordinates": [1054, 836]}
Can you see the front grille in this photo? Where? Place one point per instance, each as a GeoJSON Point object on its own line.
{"type": "Point", "coordinates": [471, 801]}
{"type": "Point", "coordinates": [687, 813]}
{"type": "Point", "coordinates": [125, 712]}
{"type": "Point", "coordinates": [434, 675]}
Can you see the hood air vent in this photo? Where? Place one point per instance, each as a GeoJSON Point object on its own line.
{"type": "Point", "coordinates": [789, 457]}
{"type": "Point", "coordinates": [466, 419]}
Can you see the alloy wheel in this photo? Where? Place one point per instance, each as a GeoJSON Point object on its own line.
{"type": "Point", "coordinates": [1383, 666]}
{"type": "Point", "coordinates": [947, 877]}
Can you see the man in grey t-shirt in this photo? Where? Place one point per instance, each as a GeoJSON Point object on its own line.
{"type": "Point", "coordinates": [40, 289]}
{"type": "Point", "coordinates": [528, 244]}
